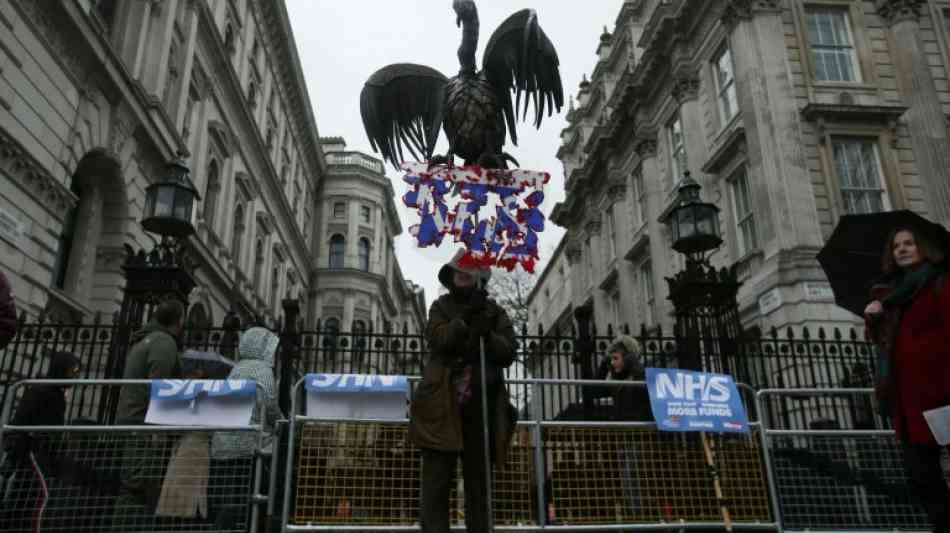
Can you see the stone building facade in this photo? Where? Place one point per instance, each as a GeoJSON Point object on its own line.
{"type": "Point", "coordinates": [360, 285]}
{"type": "Point", "coordinates": [790, 114]}
{"type": "Point", "coordinates": [95, 97]}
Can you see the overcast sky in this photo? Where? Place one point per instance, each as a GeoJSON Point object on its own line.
{"type": "Point", "coordinates": [341, 43]}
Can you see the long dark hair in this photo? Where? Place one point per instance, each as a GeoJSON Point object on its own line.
{"type": "Point", "coordinates": [928, 251]}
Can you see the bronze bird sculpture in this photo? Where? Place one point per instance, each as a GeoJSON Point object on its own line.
{"type": "Point", "coordinates": [404, 105]}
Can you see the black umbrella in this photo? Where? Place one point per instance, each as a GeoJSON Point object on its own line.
{"type": "Point", "coordinates": [852, 256]}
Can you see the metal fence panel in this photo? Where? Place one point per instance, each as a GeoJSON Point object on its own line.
{"type": "Point", "coordinates": [102, 478]}
{"type": "Point", "coordinates": [828, 478]}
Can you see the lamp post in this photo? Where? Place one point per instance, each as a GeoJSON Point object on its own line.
{"type": "Point", "coordinates": [165, 271]}
{"type": "Point", "coordinates": [704, 298]}
{"type": "Point", "coordinates": [161, 274]}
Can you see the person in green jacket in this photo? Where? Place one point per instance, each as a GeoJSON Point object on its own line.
{"type": "Point", "coordinates": [154, 355]}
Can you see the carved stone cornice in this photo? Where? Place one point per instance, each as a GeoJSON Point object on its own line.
{"type": "Point", "coordinates": [646, 148]}
{"type": "Point", "coordinates": [685, 87]}
{"type": "Point", "coordinates": [36, 180]}
{"type": "Point", "coordinates": [593, 225]}
{"type": "Point", "coordinates": [894, 11]}
{"type": "Point", "coordinates": [616, 188]}
{"type": "Point", "coordinates": [738, 10]}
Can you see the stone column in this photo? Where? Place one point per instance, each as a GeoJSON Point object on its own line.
{"type": "Point", "coordinates": [925, 119]}
{"type": "Point", "coordinates": [185, 81]}
{"type": "Point", "coordinates": [349, 304]}
{"type": "Point", "coordinates": [659, 248]}
{"type": "Point", "coordinates": [626, 286]}
{"type": "Point", "coordinates": [779, 177]}
{"type": "Point", "coordinates": [155, 60]}
{"type": "Point", "coordinates": [574, 253]}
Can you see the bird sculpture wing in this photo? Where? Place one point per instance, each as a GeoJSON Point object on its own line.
{"type": "Point", "coordinates": [401, 106]}
{"type": "Point", "coordinates": [520, 58]}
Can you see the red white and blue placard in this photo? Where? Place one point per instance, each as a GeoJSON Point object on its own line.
{"type": "Point", "coordinates": [506, 238]}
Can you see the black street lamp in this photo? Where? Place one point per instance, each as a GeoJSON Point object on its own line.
{"type": "Point", "coordinates": [704, 298]}
{"type": "Point", "coordinates": [170, 201]}
{"type": "Point", "coordinates": [694, 224]}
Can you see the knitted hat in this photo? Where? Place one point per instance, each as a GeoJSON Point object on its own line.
{"type": "Point", "coordinates": [627, 345]}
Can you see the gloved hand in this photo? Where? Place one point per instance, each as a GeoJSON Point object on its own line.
{"type": "Point", "coordinates": [481, 324]}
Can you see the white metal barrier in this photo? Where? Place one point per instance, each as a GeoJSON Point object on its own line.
{"type": "Point", "coordinates": [104, 478]}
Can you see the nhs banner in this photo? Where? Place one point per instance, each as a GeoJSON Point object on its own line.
{"type": "Point", "coordinates": [357, 396]}
{"type": "Point", "coordinates": [683, 400]}
{"type": "Point", "coordinates": [200, 402]}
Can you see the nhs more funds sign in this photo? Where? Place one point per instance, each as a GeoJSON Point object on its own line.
{"type": "Point", "coordinates": [357, 396]}
{"type": "Point", "coordinates": [683, 400]}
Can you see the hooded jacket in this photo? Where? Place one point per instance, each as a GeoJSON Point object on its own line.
{"type": "Point", "coordinates": [256, 362]}
{"type": "Point", "coordinates": [154, 355]}
{"type": "Point", "coordinates": [630, 403]}
{"type": "Point", "coordinates": [43, 405]}
{"type": "Point", "coordinates": [8, 320]}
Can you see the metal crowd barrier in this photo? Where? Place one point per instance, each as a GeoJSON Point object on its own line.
{"type": "Point", "coordinates": [135, 478]}
{"type": "Point", "coordinates": [830, 479]}
{"type": "Point", "coordinates": [364, 475]}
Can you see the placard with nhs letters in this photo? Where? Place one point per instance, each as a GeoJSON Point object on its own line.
{"type": "Point", "coordinates": [357, 396]}
{"type": "Point", "coordinates": [684, 400]}
{"type": "Point", "coordinates": [201, 402]}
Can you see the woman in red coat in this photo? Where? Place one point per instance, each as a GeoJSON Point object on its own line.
{"type": "Point", "coordinates": [912, 326]}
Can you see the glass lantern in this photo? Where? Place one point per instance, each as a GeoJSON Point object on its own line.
{"type": "Point", "coordinates": [169, 203]}
{"type": "Point", "coordinates": [694, 225]}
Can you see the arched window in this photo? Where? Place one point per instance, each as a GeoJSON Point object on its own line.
{"type": "Point", "coordinates": [364, 254]}
{"type": "Point", "coordinates": [65, 246]}
{"type": "Point", "coordinates": [337, 249]}
{"type": "Point", "coordinates": [274, 287]}
{"type": "Point", "coordinates": [252, 95]}
{"type": "Point", "coordinates": [330, 338]}
{"type": "Point", "coordinates": [359, 343]}
{"type": "Point", "coordinates": [237, 238]}
{"type": "Point", "coordinates": [229, 38]}
{"type": "Point", "coordinates": [258, 262]}
{"type": "Point", "coordinates": [212, 189]}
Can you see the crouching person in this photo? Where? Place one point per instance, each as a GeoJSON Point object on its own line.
{"type": "Point", "coordinates": [233, 453]}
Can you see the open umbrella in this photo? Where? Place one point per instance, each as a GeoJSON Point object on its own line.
{"type": "Point", "coordinates": [852, 256]}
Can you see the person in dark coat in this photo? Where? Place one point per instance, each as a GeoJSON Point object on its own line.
{"type": "Point", "coordinates": [910, 321]}
{"type": "Point", "coordinates": [35, 459]}
{"type": "Point", "coordinates": [446, 411]}
{"type": "Point", "coordinates": [8, 320]}
{"type": "Point", "coordinates": [630, 403]}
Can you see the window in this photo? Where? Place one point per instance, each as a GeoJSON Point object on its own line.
{"type": "Point", "coordinates": [64, 247]}
{"type": "Point", "coordinates": [677, 151]}
{"type": "Point", "coordinates": [742, 209]}
{"type": "Point", "coordinates": [589, 258]}
{"type": "Point", "coordinates": [611, 234]}
{"type": "Point", "coordinates": [258, 262]}
{"type": "Point", "coordinates": [274, 287]}
{"type": "Point", "coordinates": [229, 38]}
{"type": "Point", "coordinates": [106, 10]}
{"type": "Point", "coordinates": [172, 73]}
{"type": "Point", "coordinates": [337, 248]}
{"type": "Point", "coordinates": [646, 288]}
{"type": "Point", "coordinates": [364, 254]}
{"type": "Point", "coordinates": [339, 210]}
{"type": "Point", "coordinates": [615, 308]}
{"type": "Point", "coordinates": [365, 213]}
{"type": "Point", "coordinates": [726, 86]}
{"type": "Point", "coordinates": [832, 44]}
{"type": "Point", "coordinates": [252, 95]}
{"type": "Point", "coordinates": [859, 174]}
{"type": "Point", "coordinates": [640, 195]}
{"type": "Point", "coordinates": [212, 189]}
{"type": "Point", "coordinates": [946, 22]}
{"type": "Point", "coordinates": [237, 238]}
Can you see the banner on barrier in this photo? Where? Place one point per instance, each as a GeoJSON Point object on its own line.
{"type": "Point", "coordinates": [201, 402]}
{"type": "Point", "coordinates": [683, 400]}
{"type": "Point", "coordinates": [357, 396]}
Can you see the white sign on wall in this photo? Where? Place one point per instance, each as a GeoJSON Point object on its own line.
{"type": "Point", "coordinates": [818, 291]}
{"type": "Point", "coordinates": [770, 301]}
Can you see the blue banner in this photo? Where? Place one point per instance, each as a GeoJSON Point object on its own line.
{"type": "Point", "coordinates": [323, 383]}
{"type": "Point", "coordinates": [189, 389]}
{"type": "Point", "coordinates": [682, 400]}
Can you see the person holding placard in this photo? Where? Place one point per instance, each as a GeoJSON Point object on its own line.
{"type": "Point", "coordinates": [232, 453]}
{"type": "Point", "coordinates": [446, 416]}
{"type": "Point", "coordinates": [909, 319]}
{"type": "Point", "coordinates": [154, 355]}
